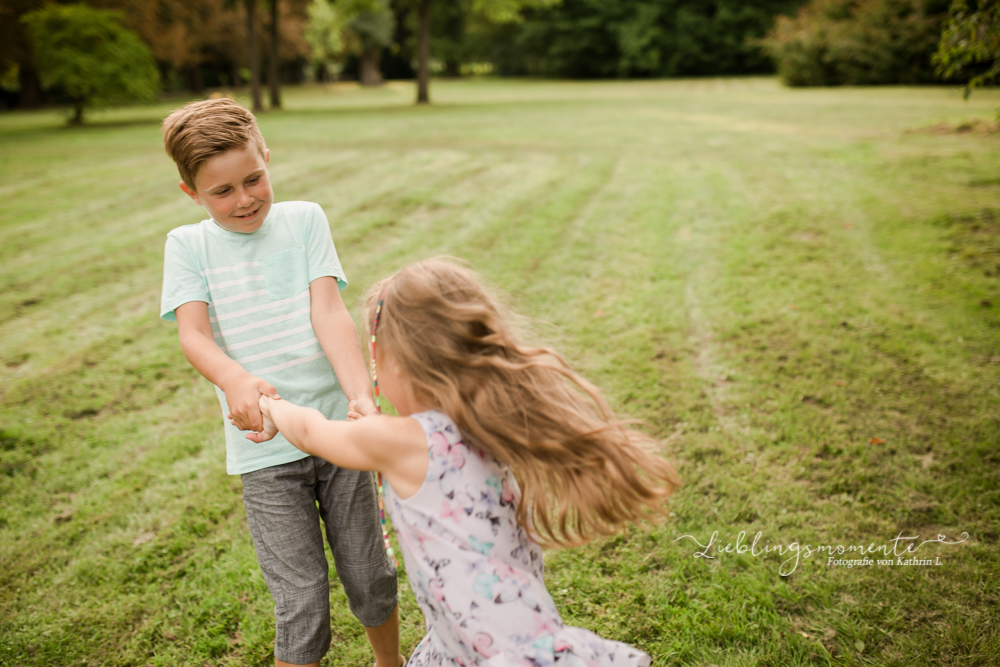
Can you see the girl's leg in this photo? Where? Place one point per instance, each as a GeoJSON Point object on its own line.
{"type": "Point", "coordinates": [385, 642]}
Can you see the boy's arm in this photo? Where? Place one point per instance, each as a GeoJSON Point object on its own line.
{"type": "Point", "coordinates": [338, 337]}
{"type": "Point", "coordinates": [241, 388]}
{"type": "Point", "coordinates": [395, 446]}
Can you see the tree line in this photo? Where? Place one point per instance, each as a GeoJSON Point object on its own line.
{"type": "Point", "coordinates": [199, 44]}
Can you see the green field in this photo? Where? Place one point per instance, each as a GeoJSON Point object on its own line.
{"type": "Point", "coordinates": [798, 289]}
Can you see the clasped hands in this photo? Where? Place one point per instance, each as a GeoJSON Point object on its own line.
{"type": "Point", "coordinates": [248, 408]}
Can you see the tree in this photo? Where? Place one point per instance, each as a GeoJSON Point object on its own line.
{"type": "Point", "coordinates": [970, 44]}
{"type": "Point", "coordinates": [273, 82]}
{"type": "Point", "coordinates": [488, 11]}
{"type": "Point", "coordinates": [16, 61]}
{"type": "Point", "coordinates": [358, 27]}
{"type": "Point", "coordinates": [370, 29]}
{"type": "Point", "coordinates": [424, 51]}
{"type": "Point", "coordinates": [184, 35]}
{"type": "Point", "coordinates": [250, 6]}
{"type": "Point", "coordinates": [324, 35]}
{"type": "Point", "coordinates": [90, 57]}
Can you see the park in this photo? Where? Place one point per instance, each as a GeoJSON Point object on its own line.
{"type": "Point", "coordinates": [773, 279]}
{"type": "Point", "coordinates": [795, 289]}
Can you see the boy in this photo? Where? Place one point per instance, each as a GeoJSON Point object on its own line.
{"type": "Point", "coordinates": [255, 291]}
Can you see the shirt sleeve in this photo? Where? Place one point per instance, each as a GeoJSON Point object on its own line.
{"type": "Point", "coordinates": [321, 254]}
{"type": "Point", "coordinates": [182, 281]}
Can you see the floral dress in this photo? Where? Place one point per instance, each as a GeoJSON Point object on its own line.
{"type": "Point", "coordinates": [475, 572]}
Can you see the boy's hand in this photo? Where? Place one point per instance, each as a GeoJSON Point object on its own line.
{"type": "Point", "coordinates": [269, 429]}
{"type": "Point", "coordinates": [360, 408]}
{"type": "Point", "coordinates": [242, 397]}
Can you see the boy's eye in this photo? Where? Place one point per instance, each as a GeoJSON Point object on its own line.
{"type": "Point", "coordinates": [223, 191]}
{"type": "Point", "coordinates": [254, 180]}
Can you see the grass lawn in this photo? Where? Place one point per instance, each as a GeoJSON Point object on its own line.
{"type": "Point", "coordinates": [798, 289]}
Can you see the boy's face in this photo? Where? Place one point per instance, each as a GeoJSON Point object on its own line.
{"type": "Point", "coordinates": [234, 188]}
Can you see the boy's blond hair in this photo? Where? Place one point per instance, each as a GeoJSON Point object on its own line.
{"type": "Point", "coordinates": [201, 130]}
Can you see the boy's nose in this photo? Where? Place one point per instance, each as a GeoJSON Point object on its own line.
{"type": "Point", "coordinates": [243, 199]}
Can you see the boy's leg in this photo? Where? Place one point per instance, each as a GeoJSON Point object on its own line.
{"type": "Point", "coordinates": [284, 523]}
{"type": "Point", "coordinates": [348, 502]}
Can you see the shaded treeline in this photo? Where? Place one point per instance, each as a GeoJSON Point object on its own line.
{"type": "Point", "coordinates": [201, 44]}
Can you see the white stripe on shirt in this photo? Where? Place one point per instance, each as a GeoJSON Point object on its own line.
{"type": "Point", "coordinates": [239, 297]}
{"type": "Point", "coordinates": [264, 339]}
{"type": "Point", "coordinates": [226, 269]}
{"type": "Point", "coordinates": [257, 309]}
{"type": "Point", "coordinates": [288, 364]}
{"type": "Point", "coordinates": [237, 281]}
{"type": "Point", "coordinates": [261, 323]}
{"type": "Point", "coordinates": [276, 352]}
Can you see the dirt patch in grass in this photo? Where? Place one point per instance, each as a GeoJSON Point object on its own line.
{"type": "Point", "coordinates": [975, 239]}
{"type": "Point", "coordinates": [971, 126]}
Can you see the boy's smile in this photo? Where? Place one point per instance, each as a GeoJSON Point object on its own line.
{"type": "Point", "coordinates": [235, 189]}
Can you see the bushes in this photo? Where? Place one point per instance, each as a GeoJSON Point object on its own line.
{"type": "Point", "coordinates": [857, 42]}
{"type": "Point", "coordinates": [628, 38]}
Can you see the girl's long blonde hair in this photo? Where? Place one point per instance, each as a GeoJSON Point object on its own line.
{"type": "Point", "coordinates": [582, 473]}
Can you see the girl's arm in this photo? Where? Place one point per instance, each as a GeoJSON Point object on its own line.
{"type": "Point", "coordinates": [338, 337]}
{"type": "Point", "coordinates": [394, 446]}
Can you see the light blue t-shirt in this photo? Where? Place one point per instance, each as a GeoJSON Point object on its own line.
{"type": "Point", "coordinates": [256, 286]}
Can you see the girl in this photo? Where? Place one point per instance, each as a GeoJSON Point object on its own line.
{"type": "Point", "coordinates": [500, 448]}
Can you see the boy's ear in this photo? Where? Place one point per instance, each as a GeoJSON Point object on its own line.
{"type": "Point", "coordinates": [190, 192]}
{"type": "Point", "coordinates": [267, 155]}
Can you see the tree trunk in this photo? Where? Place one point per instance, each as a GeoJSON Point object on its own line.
{"type": "Point", "coordinates": [194, 82]}
{"type": "Point", "coordinates": [31, 88]}
{"type": "Point", "coordinates": [258, 104]}
{"type": "Point", "coordinates": [424, 53]}
{"type": "Point", "coordinates": [77, 118]}
{"type": "Point", "coordinates": [452, 68]}
{"type": "Point", "coordinates": [370, 73]}
{"type": "Point", "coordinates": [273, 83]}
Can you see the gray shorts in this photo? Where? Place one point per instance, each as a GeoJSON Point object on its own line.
{"type": "Point", "coordinates": [283, 517]}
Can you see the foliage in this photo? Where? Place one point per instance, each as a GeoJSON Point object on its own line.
{"type": "Point", "coordinates": [593, 38]}
{"type": "Point", "coordinates": [323, 33]}
{"type": "Point", "coordinates": [88, 55]}
{"type": "Point", "coordinates": [857, 42]}
{"type": "Point", "coordinates": [370, 24]}
{"type": "Point", "coordinates": [186, 33]}
{"type": "Point", "coordinates": [361, 28]}
{"type": "Point", "coordinates": [970, 44]}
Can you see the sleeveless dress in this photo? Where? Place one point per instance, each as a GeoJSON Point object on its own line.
{"type": "Point", "coordinates": [476, 574]}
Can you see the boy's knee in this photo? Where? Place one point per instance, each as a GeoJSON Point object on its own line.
{"type": "Point", "coordinates": [302, 624]}
{"type": "Point", "coordinates": [371, 591]}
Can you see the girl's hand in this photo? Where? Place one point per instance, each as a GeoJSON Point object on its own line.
{"type": "Point", "coordinates": [395, 446]}
{"type": "Point", "coordinates": [358, 409]}
{"type": "Point", "coordinates": [269, 430]}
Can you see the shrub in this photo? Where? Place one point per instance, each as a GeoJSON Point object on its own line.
{"type": "Point", "coordinates": [857, 42]}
